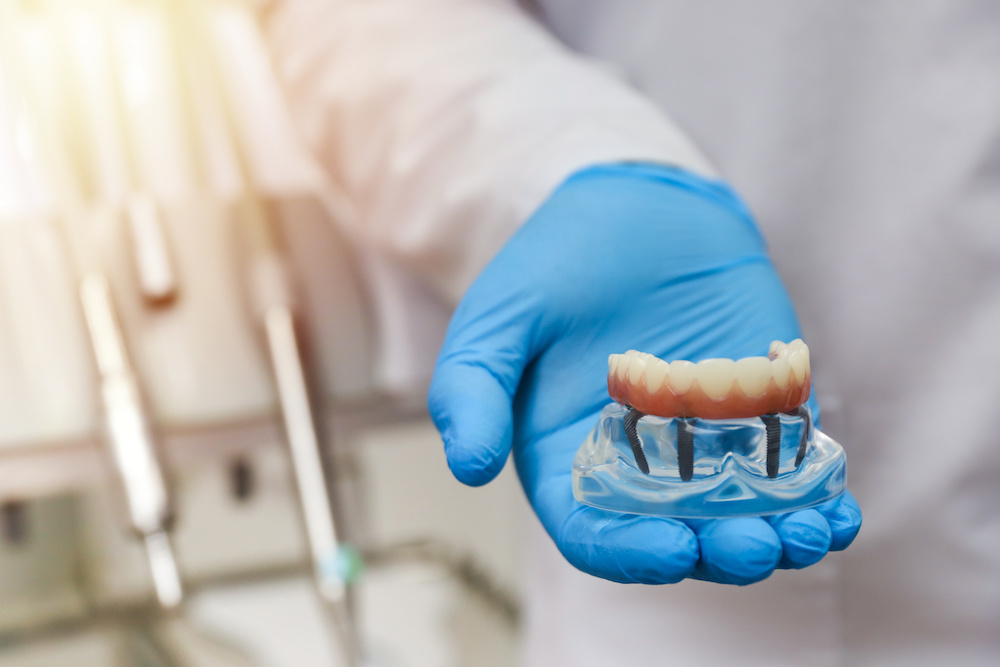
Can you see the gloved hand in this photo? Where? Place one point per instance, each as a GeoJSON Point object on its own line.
{"type": "Point", "coordinates": [620, 256]}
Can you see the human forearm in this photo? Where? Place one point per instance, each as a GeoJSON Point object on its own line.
{"type": "Point", "coordinates": [447, 122]}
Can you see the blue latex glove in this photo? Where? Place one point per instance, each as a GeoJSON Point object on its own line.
{"type": "Point", "coordinates": [619, 257]}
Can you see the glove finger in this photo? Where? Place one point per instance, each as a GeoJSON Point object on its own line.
{"type": "Point", "coordinates": [489, 342]}
{"type": "Point", "coordinates": [844, 516]}
{"type": "Point", "coordinates": [736, 551]}
{"type": "Point", "coordinates": [627, 548]}
{"type": "Point", "coordinates": [472, 411]}
{"type": "Point", "coordinates": [805, 538]}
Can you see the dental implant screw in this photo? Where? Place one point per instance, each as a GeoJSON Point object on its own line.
{"type": "Point", "coordinates": [772, 424]}
{"type": "Point", "coordinates": [632, 417]}
{"type": "Point", "coordinates": [803, 412]}
{"type": "Point", "coordinates": [685, 448]}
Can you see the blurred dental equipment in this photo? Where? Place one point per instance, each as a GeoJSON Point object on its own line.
{"type": "Point", "coordinates": [118, 86]}
{"type": "Point", "coordinates": [130, 437]}
{"type": "Point", "coordinates": [177, 408]}
{"type": "Point", "coordinates": [135, 71]}
{"type": "Point", "coordinates": [271, 299]}
{"type": "Point", "coordinates": [127, 425]}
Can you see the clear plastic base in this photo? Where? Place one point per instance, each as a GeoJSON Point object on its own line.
{"type": "Point", "coordinates": [729, 473]}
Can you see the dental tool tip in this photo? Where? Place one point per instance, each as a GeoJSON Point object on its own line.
{"type": "Point", "coordinates": [163, 567]}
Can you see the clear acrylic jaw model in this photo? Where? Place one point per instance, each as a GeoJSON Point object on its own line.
{"type": "Point", "coordinates": [728, 468]}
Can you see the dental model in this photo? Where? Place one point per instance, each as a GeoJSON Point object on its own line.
{"type": "Point", "coordinates": [713, 389]}
{"type": "Point", "coordinates": [708, 440]}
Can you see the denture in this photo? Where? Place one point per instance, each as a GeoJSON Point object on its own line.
{"type": "Point", "coordinates": [712, 389]}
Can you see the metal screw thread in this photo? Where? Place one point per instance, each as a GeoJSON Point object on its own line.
{"type": "Point", "coordinates": [772, 424]}
{"type": "Point", "coordinates": [803, 411]}
{"type": "Point", "coordinates": [632, 418]}
{"type": "Point", "coordinates": [685, 448]}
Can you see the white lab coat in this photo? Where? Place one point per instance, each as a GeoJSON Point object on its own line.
{"type": "Point", "coordinates": [866, 138]}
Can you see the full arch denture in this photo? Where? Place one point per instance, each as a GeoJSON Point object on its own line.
{"type": "Point", "coordinates": [713, 389]}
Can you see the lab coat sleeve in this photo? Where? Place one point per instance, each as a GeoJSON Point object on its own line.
{"type": "Point", "coordinates": [445, 123]}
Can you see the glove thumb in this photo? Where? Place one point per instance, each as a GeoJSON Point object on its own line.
{"type": "Point", "coordinates": [477, 374]}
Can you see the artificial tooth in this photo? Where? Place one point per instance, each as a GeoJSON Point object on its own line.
{"type": "Point", "coordinates": [780, 369]}
{"type": "Point", "coordinates": [715, 377]}
{"type": "Point", "coordinates": [636, 365]}
{"type": "Point", "coordinates": [753, 374]}
{"type": "Point", "coordinates": [799, 360]}
{"type": "Point", "coordinates": [681, 375]}
{"type": "Point", "coordinates": [622, 367]}
{"type": "Point", "coordinates": [656, 374]}
{"type": "Point", "coordinates": [778, 350]}
{"type": "Point", "coordinates": [612, 364]}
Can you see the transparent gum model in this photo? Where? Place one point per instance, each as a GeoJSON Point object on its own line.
{"type": "Point", "coordinates": [693, 467]}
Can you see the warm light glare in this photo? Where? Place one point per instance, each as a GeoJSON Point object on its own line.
{"type": "Point", "coordinates": [21, 184]}
{"type": "Point", "coordinates": [137, 83]}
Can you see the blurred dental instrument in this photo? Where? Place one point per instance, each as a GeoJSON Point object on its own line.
{"type": "Point", "coordinates": [140, 74]}
{"type": "Point", "coordinates": [127, 425]}
{"type": "Point", "coordinates": [130, 436]}
{"type": "Point", "coordinates": [270, 290]}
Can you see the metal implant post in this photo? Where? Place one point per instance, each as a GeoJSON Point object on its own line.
{"type": "Point", "coordinates": [772, 424]}
{"type": "Point", "coordinates": [803, 412]}
{"type": "Point", "coordinates": [685, 447]}
{"type": "Point", "coordinates": [632, 417]}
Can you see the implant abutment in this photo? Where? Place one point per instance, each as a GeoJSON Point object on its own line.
{"type": "Point", "coordinates": [685, 447]}
{"type": "Point", "coordinates": [803, 412]}
{"type": "Point", "coordinates": [632, 418]}
{"type": "Point", "coordinates": [772, 425]}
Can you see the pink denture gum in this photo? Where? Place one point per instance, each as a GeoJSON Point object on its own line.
{"type": "Point", "coordinates": [713, 388]}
